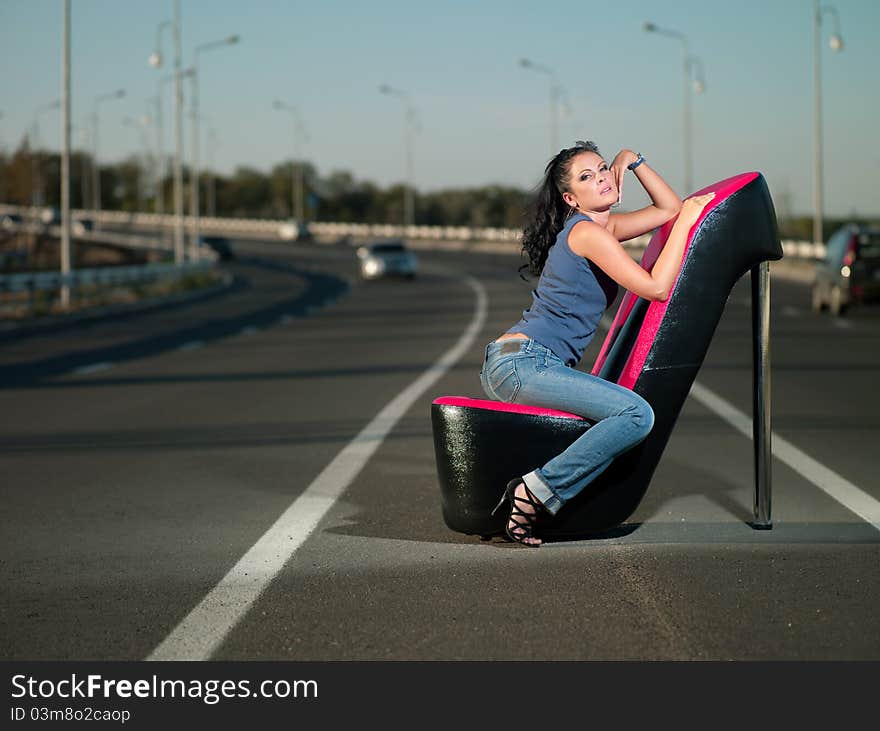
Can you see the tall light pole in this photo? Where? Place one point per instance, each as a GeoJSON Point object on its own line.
{"type": "Point", "coordinates": [297, 207]}
{"type": "Point", "coordinates": [194, 174]}
{"type": "Point", "coordinates": [3, 173]}
{"type": "Point", "coordinates": [835, 42]}
{"type": "Point", "coordinates": [411, 121]}
{"type": "Point", "coordinates": [177, 168]}
{"type": "Point", "coordinates": [96, 167]}
{"type": "Point", "coordinates": [177, 76]}
{"type": "Point", "coordinates": [65, 155]}
{"type": "Point", "coordinates": [555, 100]}
{"type": "Point", "coordinates": [688, 64]}
{"type": "Point", "coordinates": [156, 60]}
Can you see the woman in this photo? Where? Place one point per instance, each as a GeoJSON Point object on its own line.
{"type": "Point", "coordinates": [573, 245]}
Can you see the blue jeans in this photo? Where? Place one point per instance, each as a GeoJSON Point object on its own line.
{"type": "Point", "coordinates": [522, 371]}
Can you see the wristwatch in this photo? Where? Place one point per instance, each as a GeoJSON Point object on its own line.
{"type": "Point", "coordinates": [636, 163]}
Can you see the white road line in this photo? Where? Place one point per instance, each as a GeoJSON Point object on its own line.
{"type": "Point", "coordinates": [847, 494]}
{"type": "Point", "coordinates": [842, 324]}
{"type": "Point", "coordinates": [93, 368]}
{"type": "Point", "coordinates": [790, 311]}
{"type": "Point", "coordinates": [248, 331]}
{"type": "Point", "coordinates": [192, 345]}
{"type": "Point", "coordinates": [204, 629]}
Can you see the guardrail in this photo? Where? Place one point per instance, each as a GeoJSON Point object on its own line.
{"type": "Point", "coordinates": [272, 229]}
{"type": "Point", "coordinates": [111, 275]}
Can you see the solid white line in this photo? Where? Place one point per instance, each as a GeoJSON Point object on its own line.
{"type": "Point", "coordinates": [847, 494]}
{"type": "Point", "coordinates": [93, 368]}
{"type": "Point", "coordinates": [203, 630]}
{"type": "Point", "coordinates": [250, 330]}
{"type": "Point", "coordinates": [192, 345]}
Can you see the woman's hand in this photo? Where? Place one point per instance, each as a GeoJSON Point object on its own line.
{"type": "Point", "coordinates": [618, 169]}
{"type": "Point", "coordinates": [693, 207]}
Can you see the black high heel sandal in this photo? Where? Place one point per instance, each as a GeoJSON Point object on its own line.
{"type": "Point", "coordinates": [523, 522]}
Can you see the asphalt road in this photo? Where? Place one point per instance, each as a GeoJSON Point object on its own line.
{"type": "Point", "coordinates": [145, 460]}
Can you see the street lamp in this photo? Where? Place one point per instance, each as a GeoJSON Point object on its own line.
{"type": "Point", "coordinates": [96, 172]}
{"type": "Point", "coordinates": [296, 191]}
{"type": "Point", "coordinates": [836, 44]}
{"type": "Point", "coordinates": [556, 96]}
{"type": "Point", "coordinates": [65, 155]}
{"type": "Point", "coordinates": [194, 181]}
{"type": "Point", "coordinates": [156, 62]}
{"type": "Point", "coordinates": [688, 64]}
{"type": "Point", "coordinates": [155, 59]}
{"type": "Point", "coordinates": [3, 176]}
{"type": "Point", "coordinates": [411, 121]}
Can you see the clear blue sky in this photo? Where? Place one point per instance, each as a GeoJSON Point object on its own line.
{"type": "Point", "coordinates": [484, 119]}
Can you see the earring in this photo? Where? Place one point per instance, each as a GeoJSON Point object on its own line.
{"type": "Point", "coordinates": [571, 210]}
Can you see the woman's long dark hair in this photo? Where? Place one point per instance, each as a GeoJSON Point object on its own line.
{"type": "Point", "coordinates": [549, 211]}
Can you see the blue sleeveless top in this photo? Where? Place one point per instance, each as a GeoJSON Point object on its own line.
{"type": "Point", "coordinates": [569, 300]}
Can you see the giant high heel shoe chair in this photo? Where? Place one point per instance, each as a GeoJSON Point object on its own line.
{"type": "Point", "coordinates": [653, 348]}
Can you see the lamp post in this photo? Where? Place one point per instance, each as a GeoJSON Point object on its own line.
{"type": "Point", "coordinates": [65, 154]}
{"type": "Point", "coordinates": [194, 174]}
{"type": "Point", "coordinates": [555, 100]}
{"type": "Point", "coordinates": [3, 175]}
{"type": "Point", "coordinates": [96, 172]}
{"type": "Point", "coordinates": [689, 63]}
{"type": "Point", "coordinates": [156, 61]}
{"type": "Point", "coordinates": [835, 42]}
{"type": "Point", "coordinates": [411, 120]}
{"type": "Point", "coordinates": [297, 209]}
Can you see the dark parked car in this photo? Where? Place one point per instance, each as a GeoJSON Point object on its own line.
{"type": "Point", "coordinates": [219, 244]}
{"type": "Point", "coordinates": [850, 272]}
{"type": "Point", "coordinates": [387, 258]}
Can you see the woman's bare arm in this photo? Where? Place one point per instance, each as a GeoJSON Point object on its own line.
{"type": "Point", "coordinates": [666, 203]}
{"type": "Point", "coordinates": [597, 244]}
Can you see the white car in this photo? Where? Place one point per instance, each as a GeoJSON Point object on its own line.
{"type": "Point", "coordinates": [294, 231]}
{"type": "Point", "coordinates": [82, 226]}
{"type": "Point", "coordinates": [10, 221]}
{"type": "Point", "coordinates": [387, 259]}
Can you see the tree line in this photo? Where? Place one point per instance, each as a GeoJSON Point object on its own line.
{"type": "Point", "coordinates": [32, 177]}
